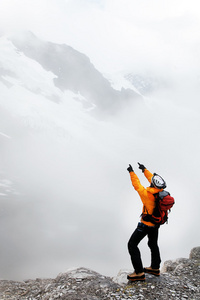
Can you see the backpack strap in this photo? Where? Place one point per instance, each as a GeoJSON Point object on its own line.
{"type": "Point", "coordinates": [156, 196]}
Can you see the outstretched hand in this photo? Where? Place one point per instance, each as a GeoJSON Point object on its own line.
{"type": "Point", "coordinates": [130, 169]}
{"type": "Point", "coordinates": [141, 167]}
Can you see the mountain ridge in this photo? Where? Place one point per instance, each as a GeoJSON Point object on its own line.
{"type": "Point", "coordinates": [74, 71]}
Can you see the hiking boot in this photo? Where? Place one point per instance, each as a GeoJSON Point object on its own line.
{"type": "Point", "coordinates": [136, 277]}
{"type": "Point", "coordinates": [155, 272]}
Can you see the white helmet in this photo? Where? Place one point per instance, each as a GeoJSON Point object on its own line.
{"type": "Point", "coordinates": [158, 181]}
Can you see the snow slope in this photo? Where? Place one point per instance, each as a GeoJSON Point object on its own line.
{"type": "Point", "coordinates": [28, 91]}
{"type": "Point", "coordinates": [56, 170]}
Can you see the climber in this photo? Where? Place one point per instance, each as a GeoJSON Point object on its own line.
{"type": "Point", "coordinates": [144, 228]}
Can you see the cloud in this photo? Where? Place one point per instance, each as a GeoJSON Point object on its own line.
{"type": "Point", "coordinates": [147, 34]}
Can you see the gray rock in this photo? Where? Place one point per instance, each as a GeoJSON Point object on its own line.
{"type": "Point", "coordinates": [180, 279]}
{"type": "Point", "coordinates": [195, 253]}
{"type": "Point", "coordinates": [171, 265]}
{"type": "Point", "coordinates": [121, 277]}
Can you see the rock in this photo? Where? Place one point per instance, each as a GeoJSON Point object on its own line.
{"type": "Point", "coordinates": [180, 279]}
{"type": "Point", "coordinates": [121, 277]}
{"type": "Point", "coordinates": [184, 265]}
{"type": "Point", "coordinates": [170, 265]}
{"type": "Point", "coordinates": [195, 253]}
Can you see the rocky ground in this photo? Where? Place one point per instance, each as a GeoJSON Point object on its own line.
{"type": "Point", "coordinates": [180, 279]}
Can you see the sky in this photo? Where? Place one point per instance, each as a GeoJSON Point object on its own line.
{"type": "Point", "coordinates": [151, 38]}
{"type": "Point", "coordinates": [161, 33]}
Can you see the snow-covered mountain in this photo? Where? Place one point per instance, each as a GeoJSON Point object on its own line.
{"type": "Point", "coordinates": [54, 90]}
{"type": "Point", "coordinates": [143, 83]}
{"type": "Point", "coordinates": [73, 71]}
{"type": "Point", "coordinates": [51, 85]}
{"type": "Point", "coordinates": [56, 156]}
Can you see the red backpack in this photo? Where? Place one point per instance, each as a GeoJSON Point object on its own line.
{"type": "Point", "coordinates": [164, 203]}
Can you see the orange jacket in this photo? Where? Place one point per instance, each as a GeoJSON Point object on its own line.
{"type": "Point", "coordinates": [146, 194]}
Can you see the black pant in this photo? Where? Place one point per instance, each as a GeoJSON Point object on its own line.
{"type": "Point", "coordinates": [141, 231]}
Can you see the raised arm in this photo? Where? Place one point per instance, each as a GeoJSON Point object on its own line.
{"type": "Point", "coordinates": [135, 180]}
{"type": "Point", "coordinates": [147, 174]}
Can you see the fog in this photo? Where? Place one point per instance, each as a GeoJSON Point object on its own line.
{"type": "Point", "coordinates": [70, 202]}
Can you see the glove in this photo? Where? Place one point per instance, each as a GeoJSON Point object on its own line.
{"type": "Point", "coordinates": [141, 167]}
{"type": "Point", "coordinates": [130, 169]}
